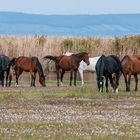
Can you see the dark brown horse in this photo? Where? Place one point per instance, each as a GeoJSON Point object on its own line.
{"type": "Point", "coordinates": [130, 66]}
{"type": "Point", "coordinates": [68, 63]}
{"type": "Point", "coordinates": [28, 64]}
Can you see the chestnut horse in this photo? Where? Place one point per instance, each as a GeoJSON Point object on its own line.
{"type": "Point", "coordinates": [130, 66]}
{"type": "Point", "coordinates": [68, 63]}
{"type": "Point", "coordinates": [28, 64]}
{"type": "Point", "coordinates": [84, 67]}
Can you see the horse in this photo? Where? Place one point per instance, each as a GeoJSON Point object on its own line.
{"type": "Point", "coordinates": [68, 63]}
{"type": "Point", "coordinates": [28, 64]}
{"type": "Point", "coordinates": [105, 67]}
{"type": "Point", "coordinates": [130, 66]}
{"type": "Point", "coordinates": [84, 67]}
{"type": "Point", "coordinates": [4, 68]}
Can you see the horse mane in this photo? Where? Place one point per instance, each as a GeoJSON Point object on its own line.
{"type": "Point", "coordinates": [38, 66]}
{"type": "Point", "coordinates": [125, 57]}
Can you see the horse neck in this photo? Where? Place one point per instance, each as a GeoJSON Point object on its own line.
{"type": "Point", "coordinates": [78, 58]}
{"type": "Point", "coordinates": [125, 57]}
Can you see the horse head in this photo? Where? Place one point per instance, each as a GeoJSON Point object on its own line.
{"type": "Point", "coordinates": [12, 62]}
{"type": "Point", "coordinates": [42, 80]}
{"type": "Point", "coordinates": [86, 58]}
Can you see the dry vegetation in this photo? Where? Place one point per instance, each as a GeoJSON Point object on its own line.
{"type": "Point", "coordinates": [43, 45]}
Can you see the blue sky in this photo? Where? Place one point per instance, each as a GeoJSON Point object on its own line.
{"type": "Point", "coordinates": [71, 6]}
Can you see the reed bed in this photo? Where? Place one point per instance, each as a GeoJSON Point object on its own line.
{"type": "Point", "coordinates": [14, 46]}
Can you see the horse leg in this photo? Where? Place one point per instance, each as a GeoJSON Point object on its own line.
{"type": "Point", "coordinates": [128, 83]}
{"type": "Point", "coordinates": [106, 84]}
{"type": "Point", "coordinates": [57, 77]}
{"type": "Point", "coordinates": [75, 75]}
{"type": "Point", "coordinates": [125, 78]}
{"type": "Point", "coordinates": [10, 79]}
{"type": "Point", "coordinates": [18, 73]}
{"type": "Point", "coordinates": [62, 74]}
{"type": "Point", "coordinates": [136, 82]}
{"type": "Point", "coordinates": [34, 79]}
{"type": "Point", "coordinates": [17, 76]}
{"type": "Point", "coordinates": [71, 76]}
{"type": "Point", "coordinates": [117, 82]}
{"type": "Point", "coordinates": [81, 76]}
{"type": "Point", "coordinates": [2, 81]}
{"type": "Point", "coordinates": [7, 75]}
{"type": "Point", "coordinates": [111, 82]}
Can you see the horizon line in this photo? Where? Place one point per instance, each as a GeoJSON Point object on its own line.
{"type": "Point", "coordinates": [68, 14]}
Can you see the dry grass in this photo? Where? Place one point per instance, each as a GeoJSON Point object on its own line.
{"type": "Point", "coordinates": [42, 45]}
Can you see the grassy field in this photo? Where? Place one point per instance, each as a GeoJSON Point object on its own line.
{"type": "Point", "coordinates": [78, 113]}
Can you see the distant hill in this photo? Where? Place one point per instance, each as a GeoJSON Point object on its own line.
{"type": "Point", "coordinates": [69, 25]}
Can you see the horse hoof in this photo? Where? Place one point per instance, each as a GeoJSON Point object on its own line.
{"type": "Point", "coordinates": [136, 93]}
{"type": "Point", "coordinates": [61, 84]}
{"type": "Point", "coordinates": [128, 93]}
{"type": "Point", "coordinates": [117, 91]}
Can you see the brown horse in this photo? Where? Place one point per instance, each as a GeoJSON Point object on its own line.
{"type": "Point", "coordinates": [68, 63]}
{"type": "Point", "coordinates": [130, 66]}
{"type": "Point", "coordinates": [28, 64]}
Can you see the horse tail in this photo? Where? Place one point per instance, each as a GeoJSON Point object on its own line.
{"type": "Point", "coordinates": [101, 66]}
{"type": "Point", "coordinates": [54, 58]}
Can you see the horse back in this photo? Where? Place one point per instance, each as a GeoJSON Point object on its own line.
{"type": "Point", "coordinates": [66, 63]}
{"type": "Point", "coordinates": [26, 63]}
{"type": "Point", "coordinates": [131, 64]}
{"type": "Point", "coordinates": [113, 64]}
{"type": "Point", "coordinates": [4, 61]}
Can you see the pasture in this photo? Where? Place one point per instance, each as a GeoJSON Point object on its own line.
{"type": "Point", "coordinates": [78, 113]}
{"type": "Point", "coordinates": [64, 112]}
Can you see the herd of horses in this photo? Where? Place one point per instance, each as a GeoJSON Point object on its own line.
{"type": "Point", "coordinates": [107, 68]}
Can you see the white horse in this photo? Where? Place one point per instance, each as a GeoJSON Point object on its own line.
{"type": "Point", "coordinates": [83, 66]}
